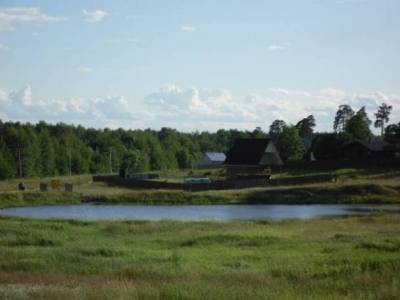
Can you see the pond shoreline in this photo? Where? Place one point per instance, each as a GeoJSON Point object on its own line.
{"type": "Point", "coordinates": [320, 194]}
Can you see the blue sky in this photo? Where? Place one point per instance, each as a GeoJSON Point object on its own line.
{"type": "Point", "coordinates": [196, 65]}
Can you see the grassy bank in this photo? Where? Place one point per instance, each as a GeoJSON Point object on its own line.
{"type": "Point", "coordinates": [363, 193]}
{"type": "Point", "coordinates": [354, 186]}
{"type": "Point", "coordinates": [353, 258]}
{"type": "Point", "coordinates": [34, 198]}
{"type": "Point", "coordinates": [327, 193]}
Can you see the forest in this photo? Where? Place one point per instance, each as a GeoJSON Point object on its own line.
{"type": "Point", "coordinates": [42, 149]}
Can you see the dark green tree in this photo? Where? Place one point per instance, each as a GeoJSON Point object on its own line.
{"type": "Point", "coordinates": [290, 144]}
{"type": "Point", "coordinates": [343, 115]}
{"type": "Point", "coordinates": [258, 133]}
{"type": "Point", "coordinates": [362, 112]}
{"type": "Point", "coordinates": [382, 116]}
{"type": "Point", "coordinates": [156, 154]}
{"type": "Point", "coordinates": [135, 161]}
{"type": "Point", "coordinates": [276, 128]}
{"type": "Point", "coordinates": [47, 154]}
{"type": "Point", "coordinates": [306, 126]}
{"type": "Point", "coordinates": [8, 168]}
{"type": "Point", "coordinates": [358, 126]}
{"type": "Point", "coordinates": [62, 158]}
{"type": "Point", "coordinates": [392, 134]}
{"type": "Point", "coordinates": [184, 159]}
{"type": "Point", "coordinates": [328, 146]}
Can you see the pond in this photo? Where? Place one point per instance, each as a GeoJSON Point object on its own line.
{"type": "Point", "coordinates": [94, 212]}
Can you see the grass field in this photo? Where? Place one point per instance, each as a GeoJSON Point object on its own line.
{"type": "Point", "coordinates": [351, 258]}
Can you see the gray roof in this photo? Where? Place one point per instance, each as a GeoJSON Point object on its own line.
{"type": "Point", "coordinates": [272, 159]}
{"type": "Point", "coordinates": [377, 145]}
{"type": "Point", "coordinates": [216, 156]}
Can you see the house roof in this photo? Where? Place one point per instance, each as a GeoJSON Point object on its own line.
{"type": "Point", "coordinates": [376, 146]}
{"type": "Point", "coordinates": [272, 159]}
{"type": "Point", "coordinates": [216, 156]}
{"type": "Point", "coordinates": [247, 152]}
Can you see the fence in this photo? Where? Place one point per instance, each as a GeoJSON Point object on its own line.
{"type": "Point", "coordinates": [214, 185]}
{"type": "Point", "coordinates": [330, 165]}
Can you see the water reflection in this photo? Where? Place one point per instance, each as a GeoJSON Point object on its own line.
{"type": "Point", "coordinates": [194, 212]}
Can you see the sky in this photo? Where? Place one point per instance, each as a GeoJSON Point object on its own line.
{"type": "Point", "coordinates": [197, 65]}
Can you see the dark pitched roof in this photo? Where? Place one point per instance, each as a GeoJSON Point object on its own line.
{"type": "Point", "coordinates": [376, 146]}
{"type": "Point", "coordinates": [247, 151]}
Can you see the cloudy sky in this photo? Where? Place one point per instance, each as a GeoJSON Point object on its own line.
{"type": "Point", "coordinates": [196, 65]}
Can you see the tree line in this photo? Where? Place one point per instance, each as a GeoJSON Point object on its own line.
{"type": "Point", "coordinates": [42, 149]}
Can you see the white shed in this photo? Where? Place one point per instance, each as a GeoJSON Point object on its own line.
{"type": "Point", "coordinates": [212, 159]}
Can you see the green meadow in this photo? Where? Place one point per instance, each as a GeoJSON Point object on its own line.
{"type": "Point", "coordinates": [341, 258]}
{"type": "Point", "coordinates": [347, 258]}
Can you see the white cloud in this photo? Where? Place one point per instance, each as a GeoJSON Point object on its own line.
{"type": "Point", "coordinates": [175, 106]}
{"type": "Point", "coordinates": [3, 96]}
{"type": "Point", "coordinates": [84, 69]}
{"type": "Point", "coordinates": [331, 92]}
{"type": "Point", "coordinates": [193, 108]}
{"type": "Point", "coordinates": [286, 92]}
{"type": "Point", "coordinates": [13, 17]}
{"type": "Point", "coordinates": [112, 111]}
{"type": "Point", "coordinates": [94, 16]}
{"type": "Point", "coordinates": [280, 91]}
{"type": "Point", "coordinates": [188, 28]}
{"type": "Point", "coordinates": [190, 102]}
{"type": "Point", "coordinates": [22, 97]}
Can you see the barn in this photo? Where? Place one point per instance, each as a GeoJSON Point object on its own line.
{"type": "Point", "coordinates": [251, 158]}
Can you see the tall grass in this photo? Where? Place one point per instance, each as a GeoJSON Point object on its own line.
{"type": "Point", "coordinates": [353, 258]}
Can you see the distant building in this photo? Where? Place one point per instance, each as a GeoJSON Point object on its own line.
{"type": "Point", "coordinates": [212, 159]}
{"type": "Point", "coordinates": [364, 150]}
{"type": "Point", "coordinates": [251, 158]}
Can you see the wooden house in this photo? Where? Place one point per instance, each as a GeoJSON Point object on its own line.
{"type": "Point", "coordinates": [251, 158]}
{"type": "Point", "coordinates": [365, 150]}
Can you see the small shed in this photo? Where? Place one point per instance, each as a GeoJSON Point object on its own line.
{"type": "Point", "coordinates": [212, 159]}
{"type": "Point", "coordinates": [251, 158]}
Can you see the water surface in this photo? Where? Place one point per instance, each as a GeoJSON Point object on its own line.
{"type": "Point", "coordinates": [194, 212]}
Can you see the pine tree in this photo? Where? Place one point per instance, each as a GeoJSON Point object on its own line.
{"type": "Point", "coordinates": [276, 128]}
{"type": "Point", "coordinates": [306, 126]}
{"type": "Point", "coordinates": [382, 116]}
{"type": "Point", "coordinates": [343, 115]}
